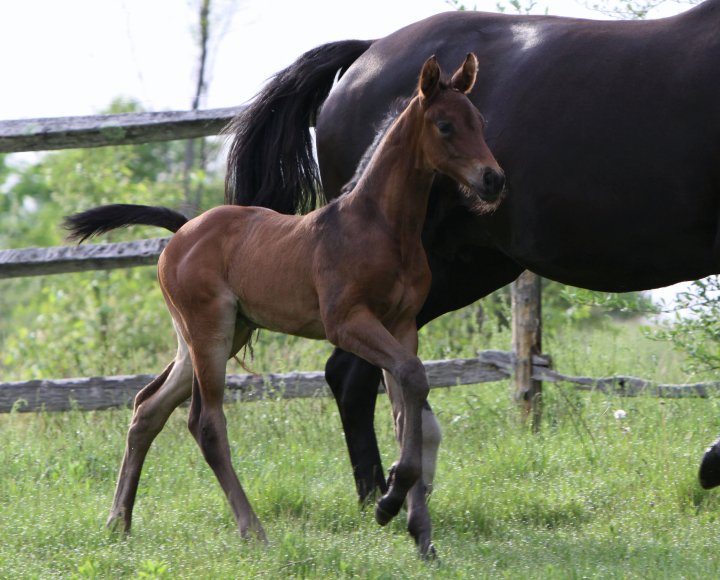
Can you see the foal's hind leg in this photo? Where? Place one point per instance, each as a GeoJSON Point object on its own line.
{"type": "Point", "coordinates": [153, 406]}
{"type": "Point", "coordinates": [210, 352]}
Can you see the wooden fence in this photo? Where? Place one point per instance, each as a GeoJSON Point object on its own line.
{"type": "Point", "coordinates": [95, 393]}
{"type": "Point", "coordinates": [123, 129]}
{"type": "Point", "coordinates": [525, 364]}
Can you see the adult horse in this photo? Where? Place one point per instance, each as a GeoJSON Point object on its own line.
{"type": "Point", "coordinates": [609, 133]}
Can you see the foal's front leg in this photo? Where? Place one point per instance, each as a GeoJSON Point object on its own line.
{"type": "Point", "coordinates": [418, 517]}
{"type": "Point", "coordinates": [364, 335]}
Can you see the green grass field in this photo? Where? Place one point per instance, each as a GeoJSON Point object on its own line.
{"type": "Point", "coordinates": [592, 496]}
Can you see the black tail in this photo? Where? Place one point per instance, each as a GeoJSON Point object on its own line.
{"type": "Point", "coordinates": [100, 220]}
{"type": "Point", "coordinates": [271, 161]}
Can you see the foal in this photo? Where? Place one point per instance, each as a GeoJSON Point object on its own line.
{"type": "Point", "coordinates": [353, 272]}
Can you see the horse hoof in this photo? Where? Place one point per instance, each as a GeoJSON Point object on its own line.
{"type": "Point", "coordinates": [429, 554]}
{"type": "Point", "coordinates": [385, 510]}
{"type": "Point", "coordinates": [370, 498]}
{"type": "Point", "coordinates": [117, 525]}
{"type": "Point", "coordinates": [709, 473]}
{"type": "Point", "coordinates": [381, 516]}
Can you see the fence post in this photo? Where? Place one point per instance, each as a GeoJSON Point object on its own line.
{"type": "Point", "coordinates": [527, 342]}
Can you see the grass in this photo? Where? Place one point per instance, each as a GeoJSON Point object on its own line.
{"type": "Point", "coordinates": [592, 496]}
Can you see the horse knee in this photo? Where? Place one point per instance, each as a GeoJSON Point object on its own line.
{"type": "Point", "coordinates": [140, 426]}
{"type": "Point", "coordinates": [209, 430]}
{"type": "Point", "coordinates": [411, 376]}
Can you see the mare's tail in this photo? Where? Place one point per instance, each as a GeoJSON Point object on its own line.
{"type": "Point", "coordinates": [271, 161]}
{"type": "Point", "coordinates": [100, 220]}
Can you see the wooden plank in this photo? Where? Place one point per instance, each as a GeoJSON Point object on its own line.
{"type": "Point", "coordinates": [63, 259]}
{"type": "Point", "coordinates": [94, 131]}
{"type": "Point", "coordinates": [628, 386]}
{"type": "Point", "coordinates": [96, 393]}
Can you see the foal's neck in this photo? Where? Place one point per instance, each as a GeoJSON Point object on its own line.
{"type": "Point", "coordinates": [396, 179]}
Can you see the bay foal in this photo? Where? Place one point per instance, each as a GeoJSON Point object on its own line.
{"type": "Point", "coordinates": [353, 272]}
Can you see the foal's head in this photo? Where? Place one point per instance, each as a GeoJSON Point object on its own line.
{"type": "Point", "coordinates": [452, 140]}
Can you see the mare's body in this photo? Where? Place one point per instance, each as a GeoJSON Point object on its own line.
{"type": "Point", "coordinates": [609, 133]}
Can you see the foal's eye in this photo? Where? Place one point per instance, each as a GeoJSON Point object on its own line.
{"type": "Point", "coordinates": [445, 128]}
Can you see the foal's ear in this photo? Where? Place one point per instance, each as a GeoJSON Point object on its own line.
{"type": "Point", "coordinates": [464, 77]}
{"type": "Point", "coordinates": [429, 78]}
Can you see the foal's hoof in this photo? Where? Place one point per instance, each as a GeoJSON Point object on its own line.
{"type": "Point", "coordinates": [429, 554]}
{"type": "Point", "coordinates": [709, 473]}
{"type": "Point", "coordinates": [386, 509]}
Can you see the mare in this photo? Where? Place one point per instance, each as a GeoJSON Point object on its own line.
{"type": "Point", "coordinates": [609, 133]}
{"type": "Point", "coordinates": [353, 272]}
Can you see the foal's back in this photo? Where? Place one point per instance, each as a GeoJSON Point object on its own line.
{"type": "Point", "coordinates": [254, 257]}
{"type": "Point", "coordinates": [288, 273]}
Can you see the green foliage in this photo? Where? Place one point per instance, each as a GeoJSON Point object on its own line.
{"type": "Point", "coordinates": [36, 195]}
{"type": "Point", "coordinates": [517, 7]}
{"type": "Point", "coordinates": [694, 328]}
{"type": "Point", "coordinates": [88, 324]}
{"type": "Point", "coordinates": [628, 9]}
{"type": "Point", "coordinates": [457, 5]}
{"type": "Point", "coordinates": [588, 306]}
{"type": "Point", "coordinates": [97, 322]}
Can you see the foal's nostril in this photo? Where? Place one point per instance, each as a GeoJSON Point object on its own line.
{"type": "Point", "coordinates": [493, 181]}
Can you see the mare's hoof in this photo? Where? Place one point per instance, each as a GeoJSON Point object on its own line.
{"type": "Point", "coordinates": [117, 525]}
{"type": "Point", "coordinates": [709, 473]}
{"type": "Point", "coordinates": [369, 499]}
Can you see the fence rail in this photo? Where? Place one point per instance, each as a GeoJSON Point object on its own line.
{"type": "Point", "coordinates": [96, 393]}
{"type": "Point", "coordinates": [123, 129]}
{"type": "Point", "coordinates": [63, 259]}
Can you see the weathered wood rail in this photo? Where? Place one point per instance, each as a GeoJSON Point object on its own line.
{"type": "Point", "coordinates": [123, 129]}
{"type": "Point", "coordinates": [96, 393]}
{"type": "Point", "coordinates": [64, 259]}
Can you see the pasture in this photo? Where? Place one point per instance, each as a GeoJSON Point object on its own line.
{"type": "Point", "coordinates": [591, 496]}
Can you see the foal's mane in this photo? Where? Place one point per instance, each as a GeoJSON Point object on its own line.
{"type": "Point", "coordinates": [397, 107]}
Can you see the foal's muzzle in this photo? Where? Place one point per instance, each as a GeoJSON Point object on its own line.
{"type": "Point", "coordinates": [492, 184]}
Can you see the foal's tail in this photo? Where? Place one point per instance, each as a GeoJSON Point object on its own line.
{"type": "Point", "coordinates": [271, 161]}
{"type": "Point", "coordinates": [100, 220]}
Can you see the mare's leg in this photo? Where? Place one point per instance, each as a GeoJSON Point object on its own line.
{"type": "Point", "coordinates": [354, 383]}
{"type": "Point", "coordinates": [210, 351]}
{"type": "Point", "coordinates": [153, 406]}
